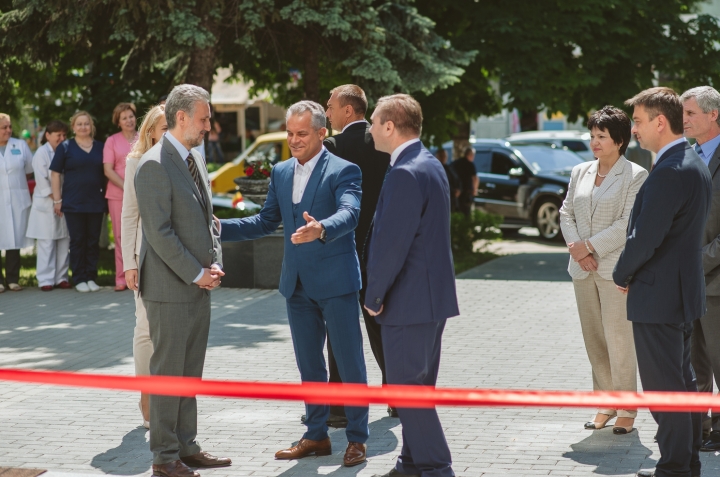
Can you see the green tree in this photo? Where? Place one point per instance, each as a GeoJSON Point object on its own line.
{"type": "Point", "coordinates": [570, 56]}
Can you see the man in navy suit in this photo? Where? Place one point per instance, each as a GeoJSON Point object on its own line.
{"type": "Point", "coordinates": [411, 281]}
{"type": "Point", "coordinates": [661, 271]}
{"type": "Point", "coordinates": [316, 196]}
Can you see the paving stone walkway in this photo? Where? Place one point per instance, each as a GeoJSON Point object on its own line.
{"type": "Point", "coordinates": [519, 334]}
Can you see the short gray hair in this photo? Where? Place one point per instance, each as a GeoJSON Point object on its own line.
{"type": "Point", "coordinates": [183, 97]}
{"type": "Point", "coordinates": [318, 120]}
{"type": "Point", "coordinates": [707, 98]}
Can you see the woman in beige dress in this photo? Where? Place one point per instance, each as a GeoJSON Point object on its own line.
{"type": "Point", "coordinates": [151, 131]}
{"type": "Point", "coordinates": [594, 220]}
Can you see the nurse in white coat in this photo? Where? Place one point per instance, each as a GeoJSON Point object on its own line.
{"type": "Point", "coordinates": [15, 166]}
{"type": "Point", "coordinates": [49, 228]}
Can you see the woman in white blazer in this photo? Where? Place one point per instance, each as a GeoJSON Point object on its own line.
{"type": "Point", "coordinates": [152, 129]}
{"type": "Point", "coordinates": [594, 219]}
{"type": "Point", "coordinates": [15, 169]}
{"type": "Point", "coordinates": [48, 227]}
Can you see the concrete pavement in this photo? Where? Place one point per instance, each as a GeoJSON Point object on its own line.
{"type": "Point", "coordinates": [517, 334]}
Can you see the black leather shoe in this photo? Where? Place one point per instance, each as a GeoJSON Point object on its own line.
{"type": "Point", "coordinates": [712, 444]}
{"type": "Point", "coordinates": [392, 412]}
{"type": "Point", "coordinates": [395, 473]}
{"type": "Point", "coordinates": [646, 473]}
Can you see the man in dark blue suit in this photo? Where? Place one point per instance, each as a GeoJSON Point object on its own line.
{"type": "Point", "coordinates": [317, 195]}
{"type": "Point", "coordinates": [661, 271]}
{"type": "Point", "coordinates": [411, 281]}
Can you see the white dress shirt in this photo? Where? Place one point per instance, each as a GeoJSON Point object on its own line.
{"type": "Point", "coordinates": [354, 122]}
{"type": "Point", "coordinates": [396, 153]}
{"type": "Point", "coordinates": [302, 176]}
{"type": "Point", "coordinates": [668, 146]}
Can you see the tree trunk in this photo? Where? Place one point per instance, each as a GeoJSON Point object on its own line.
{"type": "Point", "coordinates": [311, 79]}
{"type": "Point", "coordinates": [201, 69]}
{"type": "Point", "coordinates": [528, 120]}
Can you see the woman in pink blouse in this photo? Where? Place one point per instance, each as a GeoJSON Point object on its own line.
{"type": "Point", "coordinates": [116, 150]}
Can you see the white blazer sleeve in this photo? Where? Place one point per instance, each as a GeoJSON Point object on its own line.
{"type": "Point", "coordinates": [40, 165]}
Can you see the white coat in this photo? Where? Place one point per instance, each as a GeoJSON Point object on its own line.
{"type": "Point", "coordinates": [14, 195]}
{"type": "Point", "coordinates": [43, 223]}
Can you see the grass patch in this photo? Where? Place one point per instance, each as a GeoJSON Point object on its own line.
{"type": "Point", "coordinates": [106, 269]}
{"type": "Point", "coordinates": [465, 261]}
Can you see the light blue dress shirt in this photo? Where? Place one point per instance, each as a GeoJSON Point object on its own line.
{"type": "Point", "coordinates": [707, 150]}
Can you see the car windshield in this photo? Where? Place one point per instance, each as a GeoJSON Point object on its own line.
{"type": "Point", "coordinates": [548, 159]}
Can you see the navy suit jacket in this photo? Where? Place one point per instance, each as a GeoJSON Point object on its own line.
{"type": "Point", "coordinates": [332, 197]}
{"type": "Point", "coordinates": [410, 265]}
{"type": "Point", "coordinates": [662, 260]}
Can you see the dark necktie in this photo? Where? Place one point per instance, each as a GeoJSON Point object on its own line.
{"type": "Point", "coordinates": [372, 225]}
{"type": "Point", "coordinates": [195, 173]}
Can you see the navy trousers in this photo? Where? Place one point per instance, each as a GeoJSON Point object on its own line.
{"type": "Point", "coordinates": [84, 229]}
{"type": "Point", "coordinates": [339, 318]}
{"type": "Point", "coordinates": [663, 353]}
{"type": "Point", "coordinates": [412, 356]}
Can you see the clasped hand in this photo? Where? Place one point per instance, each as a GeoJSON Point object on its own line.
{"type": "Point", "coordinates": [210, 278]}
{"type": "Point", "coordinates": [580, 253]}
{"type": "Point", "coordinates": [308, 232]}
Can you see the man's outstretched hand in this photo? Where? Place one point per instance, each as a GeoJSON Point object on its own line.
{"type": "Point", "coordinates": [308, 232]}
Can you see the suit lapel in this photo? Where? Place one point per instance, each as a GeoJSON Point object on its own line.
{"type": "Point", "coordinates": [202, 168]}
{"type": "Point", "coordinates": [585, 189]}
{"type": "Point", "coordinates": [312, 185]}
{"type": "Point", "coordinates": [714, 162]}
{"type": "Point", "coordinates": [612, 177]}
{"type": "Point", "coordinates": [182, 168]}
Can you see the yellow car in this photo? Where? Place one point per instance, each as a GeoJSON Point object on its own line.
{"type": "Point", "coordinates": [272, 144]}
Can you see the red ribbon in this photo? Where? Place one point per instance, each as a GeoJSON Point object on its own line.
{"type": "Point", "coordinates": [361, 395]}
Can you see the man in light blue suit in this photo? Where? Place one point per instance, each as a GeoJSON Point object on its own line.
{"type": "Point", "coordinates": [411, 280]}
{"type": "Point", "coordinates": [316, 196]}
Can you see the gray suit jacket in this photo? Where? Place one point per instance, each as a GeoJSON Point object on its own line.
{"type": "Point", "coordinates": [179, 236]}
{"type": "Point", "coordinates": [711, 238]}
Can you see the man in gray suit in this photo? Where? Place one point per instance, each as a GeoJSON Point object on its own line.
{"type": "Point", "coordinates": [701, 120]}
{"type": "Point", "coordinates": [180, 262]}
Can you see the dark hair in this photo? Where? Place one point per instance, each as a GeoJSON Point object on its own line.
{"type": "Point", "coordinates": [467, 151]}
{"type": "Point", "coordinates": [54, 126]}
{"type": "Point", "coordinates": [614, 121]}
{"type": "Point", "coordinates": [350, 94]}
{"type": "Point", "coordinates": [162, 98]}
{"type": "Point", "coordinates": [403, 110]}
{"type": "Point", "coordinates": [661, 100]}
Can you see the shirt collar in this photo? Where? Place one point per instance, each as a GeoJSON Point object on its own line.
{"type": "Point", "coordinates": [398, 150]}
{"type": "Point", "coordinates": [668, 146]}
{"type": "Point", "coordinates": [309, 165]}
{"type": "Point", "coordinates": [184, 153]}
{"type": "Point", "coordinates": [354, 122]}
{"type": "Point", "coordinates": [709, 147]}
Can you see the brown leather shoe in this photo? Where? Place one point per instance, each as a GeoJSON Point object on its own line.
{"type": "Point", "coordinates": [204, 459]}
{"type": "Point", "coordinates": [173, 469]}
{"type": "Point", "coordinates": [305, 448]}
{"type": "Point", "coordinates": [355, 454]}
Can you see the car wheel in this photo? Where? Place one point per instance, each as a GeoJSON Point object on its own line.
{"type": "Point", "coordinates": [547, 220]}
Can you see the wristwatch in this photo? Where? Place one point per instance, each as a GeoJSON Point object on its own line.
{"type": "Point", "coordinates": [323, 234]}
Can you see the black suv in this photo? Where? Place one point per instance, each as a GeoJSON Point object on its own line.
{"type": "Point", "coordinates": [525, 183]}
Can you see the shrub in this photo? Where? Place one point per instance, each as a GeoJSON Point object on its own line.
{"type": "Point", "coordinates": [465, 231]}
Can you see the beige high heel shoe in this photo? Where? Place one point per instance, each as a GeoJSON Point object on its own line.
{"type": "Point", "coordinates": [595, 425]}
{"type": "Point", "coordinates": [623, 429]}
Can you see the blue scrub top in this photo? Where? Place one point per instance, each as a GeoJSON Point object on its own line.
{"type": "Point", "coordinates": [84, 184]}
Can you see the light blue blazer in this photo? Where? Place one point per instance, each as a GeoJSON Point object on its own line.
{"type": "Point", "coordinates": [332, 197]}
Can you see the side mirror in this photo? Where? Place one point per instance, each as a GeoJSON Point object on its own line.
{"type": "Point", "coordinates": [516, 172]}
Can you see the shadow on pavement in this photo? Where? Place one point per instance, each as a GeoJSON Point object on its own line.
{"type": "Point", "coordinates": [545, 267]}
{"type": "Point", "coordinates": [382, 441]}
{"type": "Point", "coordinates": [612, 454]}
{"type": "Point", "coordinates": [133, 448]}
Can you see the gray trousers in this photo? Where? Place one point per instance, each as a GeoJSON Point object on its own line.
{"type": "Point", "coordinates": [179, 333]}
{"type": "Point", "coordinates": [705, 354]}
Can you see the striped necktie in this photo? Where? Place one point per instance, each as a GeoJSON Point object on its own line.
{"type": "Point", "coordinates": [195, 173]}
